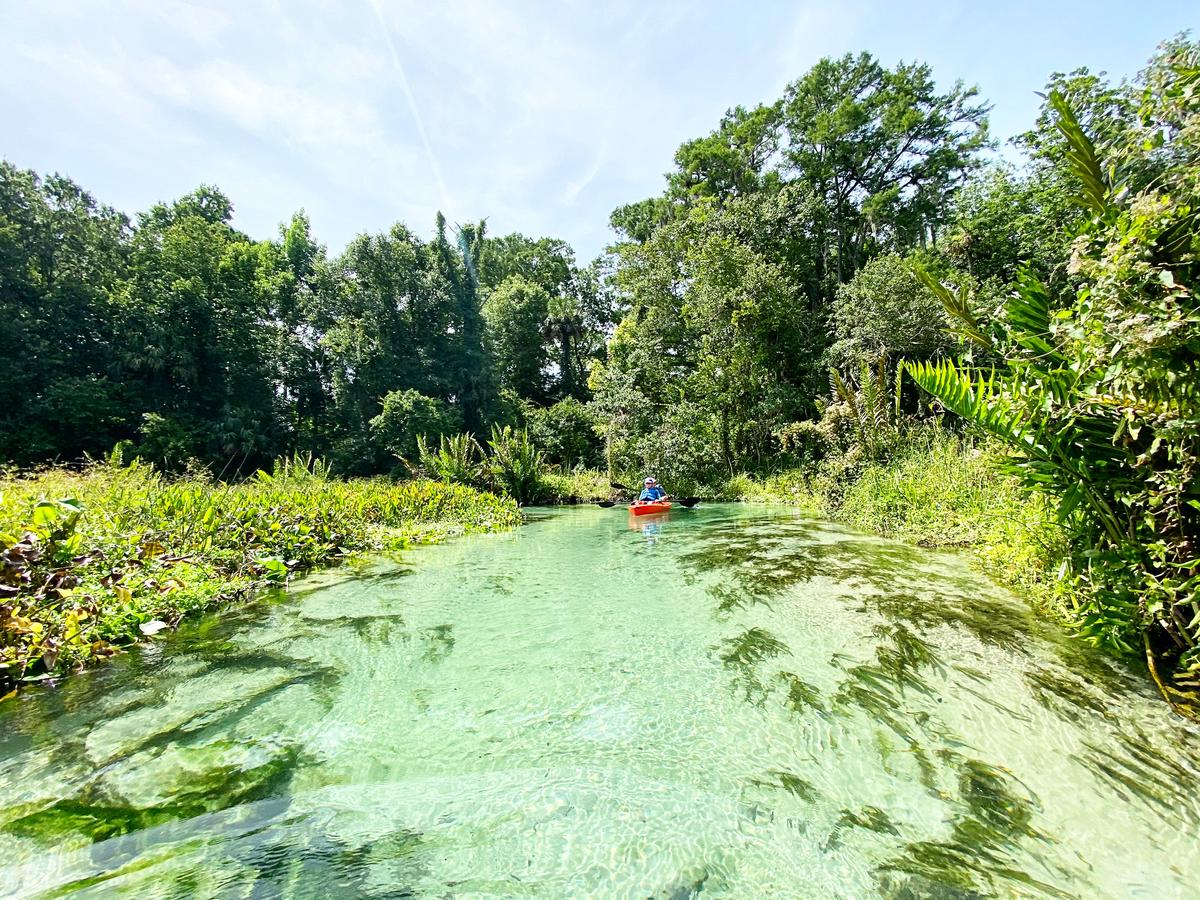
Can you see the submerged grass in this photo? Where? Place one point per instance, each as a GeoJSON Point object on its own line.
{"type": "Point", "coordinates": [941, 492]}
{"type": "Point", "coordinates": [95, 559]}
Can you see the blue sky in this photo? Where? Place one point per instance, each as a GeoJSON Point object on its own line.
{"type": "Point", "coordinates": [539, 116]}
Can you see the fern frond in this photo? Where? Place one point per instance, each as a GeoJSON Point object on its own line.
{"type": "Point", "coordinates": [843, 391]}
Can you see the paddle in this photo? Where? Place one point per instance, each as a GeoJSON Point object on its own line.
{"type": "Point", "coordinates": [685, 502]}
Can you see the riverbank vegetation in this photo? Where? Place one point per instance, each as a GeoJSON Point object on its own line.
{"type": "Point", "coordinates": [943, 491]}
{"type": "Point", "coordinates": [842, 297]}
{"type": "Point", "coordinates": [98, 558]}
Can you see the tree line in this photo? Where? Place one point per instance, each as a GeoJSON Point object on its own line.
{"type": "Point", "coordinates": [177, 333]}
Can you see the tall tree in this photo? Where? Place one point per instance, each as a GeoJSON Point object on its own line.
{"type": "Point", "coordinates": [564, 326]}
{"type": "Point", "coordinates": [733, 160]}
{"type": "Point", "coordinates": [387, 322]}
{"type": "Point", "coordinates": [195, 305]}
{"type": "Point", "coordinates": [458, 266]}
{"type": "Point", "coordinates": [60, 255]}
{"type": "Point", "coordinates": [883, 149]}
{"type": "Point", "coordinates": [515, 313]}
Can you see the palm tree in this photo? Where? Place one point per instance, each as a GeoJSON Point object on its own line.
{"type": "Point", "coordinates": [564, 326]}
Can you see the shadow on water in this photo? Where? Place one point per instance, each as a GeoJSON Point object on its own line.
{"type": "Point", "coordinates": [790, 782]}
{"type": "Point", "coordinates": [991, 826]}
{"type": "Point", "coordinates": [893, 580]}
{"type": "Point", "coordinates": [992, 838]}
{"type": "Point", "coordinates": [97, 817]}
{"type": "Point", "coordinates": [265, 852]}
{"type": "Point", "coordinates": [744, 653]}
{"type": "Point", "coordinates": [1139, 772]}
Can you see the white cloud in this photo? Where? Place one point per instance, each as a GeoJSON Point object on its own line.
{"type": "Point", "coordinates": [540, 116]}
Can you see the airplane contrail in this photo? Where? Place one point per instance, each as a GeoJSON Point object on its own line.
{"type": "Point", "coordinates": [377, 8]}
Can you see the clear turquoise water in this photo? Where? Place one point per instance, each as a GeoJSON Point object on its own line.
{"type": "Point", "coordinates": [731, 702]}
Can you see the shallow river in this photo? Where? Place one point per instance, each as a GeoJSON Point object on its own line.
{"type": "Point", "coordinates": [731, 702]}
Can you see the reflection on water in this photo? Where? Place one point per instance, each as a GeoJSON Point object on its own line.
{"type": "Point", "coordinates": [728, 702]}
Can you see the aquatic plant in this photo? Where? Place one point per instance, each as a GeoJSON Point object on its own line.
{"type": "Point", "coordinates": [129, 552]}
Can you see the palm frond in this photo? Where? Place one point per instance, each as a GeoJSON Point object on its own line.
{"type": "Point", "coordinates": [1084, 163]}
{"type": "Point", "coordinates": [975, 399]}
{"type": "Point", "coordinates": [957, 304]}
{"type": "Point", "coordinates": [1028, 313]}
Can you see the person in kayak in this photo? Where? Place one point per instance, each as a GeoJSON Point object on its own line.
{"type": "Point", "coordinates": [651, 491]}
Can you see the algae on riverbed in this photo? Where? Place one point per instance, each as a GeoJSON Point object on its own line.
{"type": "Point", "coordinates": [567, 709]}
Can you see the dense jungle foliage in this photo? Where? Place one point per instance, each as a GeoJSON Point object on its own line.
{"type": "Point", "coordinates": [828, 283]}
{"type": "Point", "coordinates": [202, 347]}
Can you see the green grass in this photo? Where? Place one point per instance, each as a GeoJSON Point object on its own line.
{"type": "Point", "coordinates": [940, 492]}
{"type": "Point", "coordinates": [575, 486]}
{"type": "Point", "coordinates": [93, 560]}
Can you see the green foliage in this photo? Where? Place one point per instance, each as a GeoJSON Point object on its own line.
{"type": "Point", "coordinates": [408, 415]}
{"type": "Point", "coordinates": [637, 221]}
{"type": "Point", "coordinates": [61, 255]}
{"type": "Point", "coordinates": [574, 486]}
{"type": "Point", "coordinates": [515, 313]}
{"type": "Point", "coordinates": [168, 443]}
{"type": "Point", "coordinates": [298, 467]}
{"type": "Point", "coordinates": [883, 310]}
{"type": "Point", "coordinates": [733, 160]}
{"type": "Point", "coordinates": [941, 491]}
{"type": "Point", "coordinates": [458, 459]}
{"type": "Point", "coordinates": [884, 149]}
{"type": "Point", "coordinates": [131, 550]}
{"type": "Point", "coordinates": [1099, 404]}
{"type": "Point", "coordinates": [209, 349]}
{"type": "Point", "coordinates": [566, 433]}
{"type": "Point", "coordinates": [547, 263]}
{"type": "Point", "coordinates": [731, 277]}
{"type": "Point", "coordinates": [711, 357]}
{"type": "Point", "coordinates": [516, 463]}
{"type": "Point", "coordinates": [1006, 220]}
{"type": "Point", "coordinates": [871, 406]}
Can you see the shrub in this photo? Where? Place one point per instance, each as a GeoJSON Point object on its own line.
{"type": "Point", "coordinates": [566, 433]}
{"type": "Point", "coordinates": [516, 463]}
{"type": "Point", "coordinates": [1098, 404]}
{"type": "Point", "coordinates": [576, 486]}
{"type": "Point", "coordinates": [458, 459]}
{"type": "Point", "coordinates": [883, 310]}
{"type": "Point", "coordinates": [405, 415]}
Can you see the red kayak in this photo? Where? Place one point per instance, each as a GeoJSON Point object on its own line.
{"type": "Point", "coordinates": [646, 507]}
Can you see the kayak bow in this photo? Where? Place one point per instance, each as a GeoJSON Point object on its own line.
{"type": "Point", "coordinates": [646, 507]}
